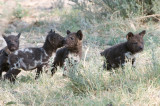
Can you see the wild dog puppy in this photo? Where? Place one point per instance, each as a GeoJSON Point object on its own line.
{"type": "Point", "coordinates": [12, 45]}
{"type": "Point", "coordinates": [116, 55]}
{"type": "Point", "coordinates": [73, 45]}
{"type": "Point", "coordinates": [33, 58]}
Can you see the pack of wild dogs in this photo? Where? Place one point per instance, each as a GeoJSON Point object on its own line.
{"type": "Point", "coordinates": [13, 60]}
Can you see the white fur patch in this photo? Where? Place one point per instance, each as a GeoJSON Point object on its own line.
{"type": "Point", "coordinates": [15, 65]}
{"type": "Point", "coordinates": [16, 52]}
{"type": "Point", "coordinates": [31, 64]}
{"type": "Point", "coordinates": [74, 57]}
{"type": "Point", "coordinates": [22, 63]}
{"type": "Point", "coordinates": [113, 65]}
{"type": "Point", "coordinates": [45, 53]}
{"type": "Point", "coordinates": [8, 61]}
{"type": "Point", "coordinates": [36, 63]}
{"type": "Point", "coordinates": [26, 50]}
{"type": "Point", "coordinates": [129, 55]}
{"type": "Point", "coordinates": [53, 55]}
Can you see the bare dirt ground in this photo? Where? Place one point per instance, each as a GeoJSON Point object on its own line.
{"type": "Point", "coordinates": [37, 11]}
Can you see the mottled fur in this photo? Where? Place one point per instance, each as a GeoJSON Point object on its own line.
{"type": "Point", "coordinates": [73, 44]}
{"type": "Point", "coordinates": [116, 55]}
{"type": "Point", "coordinates": [12, 45]}
{"type": "Point", "coordinates": [33, 58]}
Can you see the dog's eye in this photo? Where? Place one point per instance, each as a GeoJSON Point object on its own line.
{"type": "Point", "coordinates": [71, 38]}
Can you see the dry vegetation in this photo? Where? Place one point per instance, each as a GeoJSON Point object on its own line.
{"type": "Point", "coordinates": [88, 83]}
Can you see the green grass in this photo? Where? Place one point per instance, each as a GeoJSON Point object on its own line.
{"type": "Point", "coordinates": [87, 82]}
{"type": "Point", "coordinates": [20, 12]}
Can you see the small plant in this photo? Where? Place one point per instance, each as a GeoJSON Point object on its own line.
{"type": "Point", "coordinates": [20, 12]}
{"type": "Point", "coordinates": [84, 80]}
{"type": "Point", "coordinates": [102, 8]}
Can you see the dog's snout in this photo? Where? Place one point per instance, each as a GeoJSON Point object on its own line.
{"type": "Point", "coordinates": [63, 41]}
{"type": "Point", "coordinates": [141, 48]}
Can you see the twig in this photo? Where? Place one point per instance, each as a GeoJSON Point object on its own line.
{"type": "Point", "coordinates": [85, 56]}
{"type": "Point", "coordinates": [155, 15]}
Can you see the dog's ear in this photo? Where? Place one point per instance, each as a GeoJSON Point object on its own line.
{"type": "Point", "coordinates": [51, 36]}
{"type": "Point", "coordinates": [54, 32]}
{"type": "Point", "coordinates": [19, 35]}
{"type": "Point", "coordinates": [68, 32]}
{"type": "Point", "coordinates": [142, 33]}
{"type": "Point", "coordinates": [79, 34]}
{"type": "Point", "coordinates": [129, 35]}
{"type": "Point", "coordinates": [4, 36]}
{"type": "Point", "coordinates": [50, 31]}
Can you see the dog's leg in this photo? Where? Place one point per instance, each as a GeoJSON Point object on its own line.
{"type": "Point", "coordinates": [54, 69]}
{"type": "Point", "coordinates": [12, 74]}
{"type": "Point", "coordinates": [39, 71]}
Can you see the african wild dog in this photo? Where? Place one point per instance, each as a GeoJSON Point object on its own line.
{"type": "Point", "coordinates": [116, 55]}
{"type": "Point", "coordinates": [73, 45]}
{"type": "Point", "coordinates": [12, 45]}
{"type": "Point", "coordinates": [33, 58]}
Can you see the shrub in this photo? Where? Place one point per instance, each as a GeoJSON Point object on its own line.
{"type": "Point", "coordinates": [20, 12]}
{"type": "Point", "coordinates": [123, 8]}
{"type": "Point", "coordinates": [85, 80]}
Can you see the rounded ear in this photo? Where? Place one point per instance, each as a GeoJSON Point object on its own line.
{"type": "Point", "coordinates": [50, 31]}
{"type": "Point", "coordinates": [68, 32]}
{"type": "Point", "coordinates": [129, 35]}
{"type": "Point", "coordinates": [142, 33]}
{"type": "Point", "coordinates": [19, 35]}
{"type": "Point", "coordinates": [79, 34]}
{"type": "Point", "coordinates": [4, 36]}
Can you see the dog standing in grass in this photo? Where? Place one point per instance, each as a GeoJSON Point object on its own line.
{"type": "Point", "coordinates": [73, 45]}
{"type": "Point", "coordinates": [12, 45]}
{"type": "Point", "coordinates": [33, 58]}
{"type": "Point", "coordinates": [116, 55]}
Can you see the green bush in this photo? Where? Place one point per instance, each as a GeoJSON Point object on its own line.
{"type": "Point", "coordinates": [123, 8]}
{"type": "Point", "coordinates": [85, 80]}
{"type": "Point", "coordinates": [20, 12]}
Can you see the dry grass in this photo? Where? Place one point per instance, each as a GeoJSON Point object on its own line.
{"type": "Point", "coordinates": [88, 84]}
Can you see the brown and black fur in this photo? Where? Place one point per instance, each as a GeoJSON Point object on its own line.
{"type": "Point", "coordinates": [116, 55]}
{"type": "Point", "coordinates": [73, 44]}
{"type": "Point", "coordinates": [33, 58]}
{"type": "Point", "coordinates": [12, 45]}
